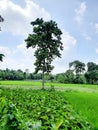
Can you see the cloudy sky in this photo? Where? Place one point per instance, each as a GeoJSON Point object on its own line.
{"type": "Point", "coordinates": [78, 20]}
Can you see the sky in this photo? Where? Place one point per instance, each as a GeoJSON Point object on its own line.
{"type": "Point", "coordinates": [78, 20]}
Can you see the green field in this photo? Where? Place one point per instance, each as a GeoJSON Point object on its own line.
{"type": "Point", "coordinates": [86, 104]}
{"type": "Point", "coordinates": [37, 84]}
{"type": "Point", "coordinates": [83, 98]}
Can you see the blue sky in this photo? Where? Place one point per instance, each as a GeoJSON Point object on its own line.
{"type": "Point", "coordinates": [78, 20]}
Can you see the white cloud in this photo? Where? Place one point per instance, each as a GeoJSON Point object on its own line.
{"type": "Point", "coordinates": [87, 37]}
{"type": "Point", "coordinates": [96, 50]}
{"type": "Point", "coordinates": [80, 12]}
{"type": "Point", "coordinates": [5, 50]}
{"type": "Point", "coordinates": [17, 18]}
{"type": "Point", "coordinates": [69, 43]}
{"type": "Point", "coordinates": [96, 27]}
{"type": "Point", "coordinates": [68, 40]}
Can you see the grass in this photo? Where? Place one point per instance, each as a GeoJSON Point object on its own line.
{"type": "Point", "coordinates": [86, 104]}
{"type": "Point", "coordinates": [34, 83]}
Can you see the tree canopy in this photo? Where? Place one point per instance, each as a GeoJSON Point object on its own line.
{"type": "Point", "coordinates": [78, 66]}
{"type": "Point", "coordinates": [92, 73]}
{"type": "Point", "coordinates": [46, 38]}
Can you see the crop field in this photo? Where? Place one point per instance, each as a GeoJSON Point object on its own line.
{"type": "Point", "coordinates": [86, 104]}
{"type": "Point", "coordinates": [23, 106]}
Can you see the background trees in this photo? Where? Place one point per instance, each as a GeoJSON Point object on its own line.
{"type": "Point", "coordinates": [92, 73]}
{"type": "Point", "coordinates": [89, 77]}
{"type": "Point", "coordinates": [46, 38]}
{"type": "Point", "coordinates": [78, 69]}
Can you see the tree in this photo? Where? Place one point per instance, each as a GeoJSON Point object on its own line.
{"type": "Point", "coordinates": [78, 68]}
{"type": "Point", "coordinates": [69, 76]}
{"type": "Point", "coordinates": [46, 38]}
{"type": "Point", "coordinates": [92, 73]}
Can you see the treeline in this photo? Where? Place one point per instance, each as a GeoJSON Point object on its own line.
{"type": "Point", "coordinates": [18, 75]}
{"type": "Point", "coordinates": [78, 73]}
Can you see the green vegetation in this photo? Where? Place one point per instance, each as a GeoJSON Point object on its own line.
{"type": "Point", "coordinates": [75, 75]}
{"type": "Point", "coordinates": [46, 39]}
{"type": "Point", "coordinates": [22, 109]}
{"type": "Point", "coordinates": [83, 98]}
{"type": "Point", "coordinates": [35, 84]}
{"type": "Point", "coordinates": [86, 104]}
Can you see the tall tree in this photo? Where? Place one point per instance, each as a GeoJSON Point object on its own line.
{"type": "Point", "coordinates": [46, 38]}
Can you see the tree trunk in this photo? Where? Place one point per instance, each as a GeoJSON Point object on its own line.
{"type": "Point", "coordinates": [43, 80]}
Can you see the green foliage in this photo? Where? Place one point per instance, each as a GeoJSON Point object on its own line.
{"type": "Point", "coordinates": [61, 78]}
{"type": "Point", "coordinates": [92, 73]}
{"type": "Point", "coordinates": [38, 110]}
{"type": "Point", "coordinates": [81, 79]}
{"type": "Point", "coordinates": [75, 75]}
{"type": "Point", "coordinates": [8, 74]}
{"type": "Point", "coordinates": [78, 67]}
{"type": "Point", "coordinates": [10, 117]}
{"type": "Point", "coordinates": [69, 76]}
{"type": "Point", "coordinates": [46, 38]}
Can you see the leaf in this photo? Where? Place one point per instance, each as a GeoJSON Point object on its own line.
{"type": "Point", "coordinates": [58, 124]}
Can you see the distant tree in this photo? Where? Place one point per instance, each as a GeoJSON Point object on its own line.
{"type": "Point", "coordinates": [69, 76]}
{"type": "Point", "coordinates": [92, 73]}
{"type": "Point", "coordinates": [46, 39]}
{"type": "Point", "coordinates": [26, 73]}
{"type": "Point", "coordinates": [91, 66]}
{"type": "Point", "coordinates": [80, 79]}
{"type": "Point", "coordinates": [61, 78]}
{"type": "Point", "coordinates": [78, 68]}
